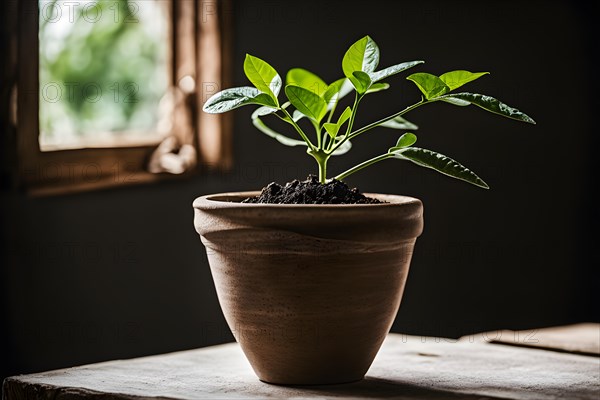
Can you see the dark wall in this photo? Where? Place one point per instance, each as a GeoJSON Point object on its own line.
{"type": "Point", "coordinates": [121, 273]}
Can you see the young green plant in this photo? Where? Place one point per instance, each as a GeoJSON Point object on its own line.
{"type": "Point", "coordinates": [308, 96]}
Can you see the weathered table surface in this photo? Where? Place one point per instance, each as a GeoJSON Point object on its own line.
{"type": "Point", "coordinates": [407, 367]}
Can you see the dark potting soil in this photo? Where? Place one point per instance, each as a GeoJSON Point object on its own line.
{"type": "Point", "coordinates": [311, 191]}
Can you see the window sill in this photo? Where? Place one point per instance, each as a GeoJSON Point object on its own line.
{"type": "Point", "coordinates": [74, 171]}
{"type": "Point", "coordinates": [109, 182]}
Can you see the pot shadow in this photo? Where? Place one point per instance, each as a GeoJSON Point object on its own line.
{"type": "Point", "coordinates": [377, 388]}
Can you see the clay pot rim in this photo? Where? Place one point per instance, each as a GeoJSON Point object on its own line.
{"type": "Point", "coordinates": [220, 200]}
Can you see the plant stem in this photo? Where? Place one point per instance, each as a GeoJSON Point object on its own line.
{"type": "Point", "coordinates": [322, 171]}
{"type": "Point", "coordinates": [381, 121]}
{"type": "Point", "coordinates": [326, 140]}
{"type": "Point", "coordinates": [362, 165]}
{"type": "Point", "coordinates": [332, 145]}
{"type": "Point", "coordinates": [375, 124]}
{"type": "Point", "coordinates": [333, 108]}
{"type": "Point", "coordinates": [321, 157]}
{"type": "Point", "coordinates": [298, 129]}
{"type": "Point", "coordinates": [318, 131]}
{"type": "Point", "coordinates": [357, 99]}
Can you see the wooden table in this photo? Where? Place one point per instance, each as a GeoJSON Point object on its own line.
{"type": "Point", "coordinates": [407, 367]}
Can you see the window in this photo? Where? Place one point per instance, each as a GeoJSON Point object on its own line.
{"type": "Point", "coordinates": [108, 91]}
{"type": "Point", "coordinates": [104, 73]}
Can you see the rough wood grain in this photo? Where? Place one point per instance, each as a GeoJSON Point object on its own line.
{"type": "Point", "coordinates": [407, 367]}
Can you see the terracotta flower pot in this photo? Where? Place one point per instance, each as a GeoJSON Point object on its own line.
{"type": "Point", "coordinates": [309, 291]}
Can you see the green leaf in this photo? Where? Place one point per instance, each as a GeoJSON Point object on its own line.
{"type": "Point", "coordinates": [440, 163]}
{"type": "Point", "coordinates": [363, 55]}
{"type": "Point", "coordinates": [230, 99]}
{"type": "Point", "coordinates": [264, 110]}
{"type": "Point", "coordinates": [430, 85]}
{"type": "Point", "coordinates": [337, 90]}
{"type": "Point", "coordinates": [306, 102]}
{"type": "Point", "coordinates": [394, 69]}
{"type": "Point", "coordinates": [333, 129]}
{"type": "Point", "coordinates": [345, 116]}
{"type": "Point", "coordinates": [333, 89]}
{"type": "Point", "coordinates": [456, 79]}
{"type": "Point", "coordinates": [307, 80]}
{"type": "Point", "coordinates": [456, 102]}
{"type": "Point", "coordinates": [263, 76]}
{"type": "Point", "coordinates": [378, 87]}
{"type": "Point", "coordinates": [406, 140]}
{"type": "Point", "coordinates": [488, 103]}
{"type": "Point", "coordinates": [400, 123]}
{"type": "Point", "coordinates": [260, 125]}
{"type": "Point", "coordinates": [361, 81]}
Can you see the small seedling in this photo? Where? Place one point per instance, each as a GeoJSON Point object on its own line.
{"type": "Point", "coordinates": [313, 99]}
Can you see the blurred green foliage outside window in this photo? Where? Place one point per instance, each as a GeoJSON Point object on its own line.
{"type": "Point", "coordinates": [104, 69]}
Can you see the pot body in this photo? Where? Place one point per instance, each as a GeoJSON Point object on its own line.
{"type": "Point", "coordinates": [309, 291]}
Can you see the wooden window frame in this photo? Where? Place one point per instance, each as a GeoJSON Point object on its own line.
{"type": "Point", "coordinates": [64, 171]}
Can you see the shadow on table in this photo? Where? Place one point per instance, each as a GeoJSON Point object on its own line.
{"type": "Point", "coordinates": [376, 388]}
